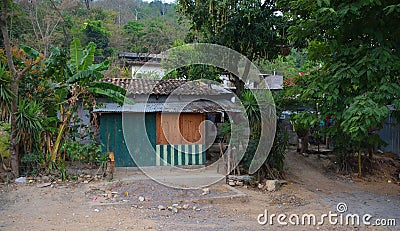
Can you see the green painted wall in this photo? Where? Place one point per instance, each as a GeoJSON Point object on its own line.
{"type": "Point", "coordinates": [112, 138]}
{"type": "Point", "coordinates": [141, 137]}
{"type": "Point", "coordinates": [141, 142]}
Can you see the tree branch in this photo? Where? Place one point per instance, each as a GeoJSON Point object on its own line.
{"type": "Point", "coordinates": [6, 38]}
{"type": "Point", "coordinates": [66, 38]}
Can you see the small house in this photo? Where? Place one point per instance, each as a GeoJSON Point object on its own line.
{"type": "Point", "coordinates": [166, 124]}
{"type": "Point", "coordinates": [142, 63]}
{"type": "Point", "coordinates": [271, 82]}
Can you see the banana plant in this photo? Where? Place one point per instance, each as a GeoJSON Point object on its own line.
{"type": "Point", "coordinates": [79, 81]}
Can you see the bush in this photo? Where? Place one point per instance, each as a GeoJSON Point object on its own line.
{"type": "Point", "coordinates": [5, 143]}
{"type": "Point", "coordinates": [273, 167]}
{"type": "Point", "coordinates": [33, 163]}
{"type": "Point", "coordinates": [90, 152]}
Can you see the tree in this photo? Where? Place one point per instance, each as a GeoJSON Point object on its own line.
{"type": "Point", "coordinates": [14, 84]}
{"type": "Point", "coordinates": [96, 33]}
{"type": "Point", "coordinates": [359, 119]}
{"type": "Point", "coordinates": [44, 21]}
{"type": "Point", "coordinates": [80, 81]}
{"type": "Point", "coordinates": [273, 166]}
{"type": "Point", "coordinates": [360, 53]}
{"type": "Point", "coordinates": [252, 28]}
{"type": "Point", "coordinates": [135, 30]}
{"type": "Point", "coordinates": [5, 93]}
{"type": "Point", "coordinates": [149, 27]}
{"type": "Point", "coordinates": [29, 123]}
{"type": "Point", "coordinates": [187, 54]}
{"type": "Point", "coordinates": [87, 4]}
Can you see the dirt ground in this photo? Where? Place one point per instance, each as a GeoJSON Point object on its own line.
{"type": "Point", "coordinates": [102, 205]}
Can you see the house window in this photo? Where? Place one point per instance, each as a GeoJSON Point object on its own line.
{"type": "Point", "coordinates": [180, 128]}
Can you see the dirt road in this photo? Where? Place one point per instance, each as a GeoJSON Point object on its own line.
{"type": "Point", "coordinates": [71, 206]}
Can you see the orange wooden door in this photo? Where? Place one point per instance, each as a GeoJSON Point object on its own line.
{"type": "Point", "coordinates": [183, 128]}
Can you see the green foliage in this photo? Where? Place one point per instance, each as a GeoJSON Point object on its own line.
{"type": "Point", "coordinates": [362, 116]}
{"type": "Point", "coordinates": [250, 28]}
{"type": "Point", "coordinates": [360, 51]}
{"type": "Point", "coordinates": [86, 74]}
{"type": "Point", "coordinates": [80, 83]}
{"type": "Point", "coordinates": [283, 65]}
{"type": "Point", "coordinates": [182, 53]}
{"type": "Point", "coordinates": [134, 28]}
{"type": "Point", "coordinates": [90, 152]}
{"type": "Point", "coordinates": [96, 34]}
{"type": "Point", "coordinates": [251, 106]}
{"type": "Point", "coordinates": [83, 59]}
{"type": "Point", "coordinates": [56, 65]}
{"type": "Point", "coordinates": [4, 140]}
{"type": "Point", "coordinates": [33, 163]}
{"type": "Point", "coordinates": [276, 157]}
{"type": "Point", "coordinates": [56, 23]}
{"type": "Point", "coordinates": [355, 56]}
{"type": "Point", "coordinates": [118, 72]}
{"type": "Point", "coordinates": [273, 167]}
{"type": "Point", "coordinates": [29, 123]}
{"type": "Point", "coordinates": [30, 51]}
{"type": "Point", "coordinates": [76, 54]}
{"type": "Point", "coordinates": [303, 121]}
{"type": "Point", "coordinates": [62, 171]}
{"type": "Point", "coordinates": [226, 129]}
{"type": "Point", "coordinates": [5, 92]}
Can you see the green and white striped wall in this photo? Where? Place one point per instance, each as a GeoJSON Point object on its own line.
{"type": "Point", "coordinates": [180, 154]}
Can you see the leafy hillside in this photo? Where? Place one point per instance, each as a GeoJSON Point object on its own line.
{"type": "Point", "coordinates": [114, 26]}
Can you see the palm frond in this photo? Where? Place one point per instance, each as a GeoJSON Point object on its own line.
{"type": "Point", "coordinates": [103, 85]}
{"type": "Point", "coordinates": [108, 93]}
{"type": "Point", "coordinates": [6, 94]}
{"type": "Point", "coordinates": [30, 51]}
{"type": "Point", "coordinates": [88, 58]}
{"type": "Point", "coordinates": [85, 75]}
{"type": "Point", "coordinates": [100, 67]}
{"type": "Point", "coordinates": [29, 122]}
{"type": "Point", "coordinates": [76, 53]}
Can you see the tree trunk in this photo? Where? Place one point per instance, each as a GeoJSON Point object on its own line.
{"type": "Point", "coordinates": [359, 164]}
{"type": "Point", "coordinates": [239, 84]}
{"type": "Point", "coordinates": [304, 144]}
{"type": "Point", "coordinates": [370, 152]}
{"type": "Point", "coordinates": [14, 155]}
{"type": "Point", "coordinates": [87, 4]}
{"type": "Point", "coordinates": [65, 117]}
{"type": "Point", "coordinates": [14, 151]}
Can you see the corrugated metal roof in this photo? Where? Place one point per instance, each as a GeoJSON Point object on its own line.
{"type": "Point", "coordinates": [167, 86]}
{"type": "Point", "coordinates": [142, 55]}
{"type": "Point", "coordinates": [197, 107]}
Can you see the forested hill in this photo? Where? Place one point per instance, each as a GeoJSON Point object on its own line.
{"type": "Point", "coordinates": [147, 27]}
{"type": "Point", "coordinates": [113, 25]}
{"type": "Point", "coordinates": [129, 10]}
